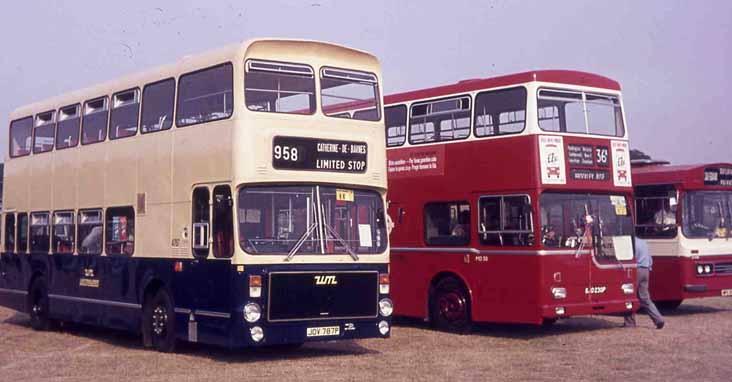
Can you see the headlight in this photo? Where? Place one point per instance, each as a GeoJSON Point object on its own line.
{"type": "Point", "coordinates": [386, 307]}
{"type": "Point", "coordinates": [257, 333]}
{"type": "Point", "coordinates": [559, 293]}
{"type": "Point", "coordinates": [699, 269]}
{"type": "Point", "coordinates": [383, 328]}
{"type": "Point", "coordinates": [707, 268]}
{"type": "Point", "coordinates": [627, 288]}
{"type": "Point", "coordinates": [252, 312]}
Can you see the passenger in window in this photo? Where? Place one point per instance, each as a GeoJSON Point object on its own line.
{"type": "Point", "coordinates": [459, 231]}
{"type": "Point", "coordinates": [92, 243]}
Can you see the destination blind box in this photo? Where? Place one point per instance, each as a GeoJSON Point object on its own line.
{"type": "Point", "coordinates": [297, 153]}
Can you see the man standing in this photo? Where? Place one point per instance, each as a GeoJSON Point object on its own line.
{"type": "Point", "coordinates": [645, 262]}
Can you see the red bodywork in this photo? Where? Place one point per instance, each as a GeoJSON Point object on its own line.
{"type": "Point", "coordinates": [505, 284]}
{"type": "Point", "coordinates": [674, 278]}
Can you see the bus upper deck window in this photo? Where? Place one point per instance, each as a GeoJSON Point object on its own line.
{"type": "Point", "coordinates": [344, 90]}
{"type": "Point", "coordinates": [67, 129]}
{"type": "Point", "coordinates": [44, 132]}
{"type": "Point", "coordinates": [94, 121]}
{"type": "Point", "coordinates": [125, 111]}
{"type": "Point", "coordinates": [279, 87]}
{"type": "Point", "coordinates": [205, 95]}
{"type": "Point", "coordinates": [21, 131]}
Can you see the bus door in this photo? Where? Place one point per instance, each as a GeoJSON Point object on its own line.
{"type": "Point", "coordinates": [207, 280]}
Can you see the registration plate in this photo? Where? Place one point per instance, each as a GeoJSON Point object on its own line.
{"type": "Point", "coordinates": [324, 331]}
{"type": "Point", "coordinates": [727, 292]}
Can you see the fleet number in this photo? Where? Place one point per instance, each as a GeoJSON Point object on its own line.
{"type": "Point", "coordinates": [286, 153]}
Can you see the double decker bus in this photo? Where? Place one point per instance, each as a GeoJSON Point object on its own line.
{"type": "Point", "coordinates": [213, 200]}
{"type": "Point", "coordinates": [511, 200]}
{"type": "Point", "coordinates": [685, 214]}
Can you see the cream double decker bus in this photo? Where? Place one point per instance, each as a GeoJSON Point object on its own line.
{"type": "Point", "coordinates": [217, 200]}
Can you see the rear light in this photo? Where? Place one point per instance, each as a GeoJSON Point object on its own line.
{"type": "Point", "coordinates": [255, 286]}
{"type": "Point", "coordinates": [384, 283]}
{"type": "Point", "coordinates": [627, 288]}
{"type": "Point", "coordinates": [559, 293]}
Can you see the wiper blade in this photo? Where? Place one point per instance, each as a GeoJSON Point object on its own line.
{"type": "Point", "coordinates": [343, 242]}
{"type": "Point", "coordinates": [300, 241]}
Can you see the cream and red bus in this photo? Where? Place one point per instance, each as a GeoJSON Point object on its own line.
{"type": "Point", "coordinates": [685, 214]}
{"type": "Point", "coordinates": [213, 200]}
{"type": "Point", "coordinates": [511, 200]}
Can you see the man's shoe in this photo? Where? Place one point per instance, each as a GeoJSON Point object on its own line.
{"type": "Point", "coordinates": [660, 325]}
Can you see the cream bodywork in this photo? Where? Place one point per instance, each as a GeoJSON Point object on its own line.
{"type": "Point", "coordinates": [165, 166]}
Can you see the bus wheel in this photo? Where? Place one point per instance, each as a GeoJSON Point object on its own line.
{"type": "Point", "coordinates": [38, 307]}
{"type": "Point", "coordinates": [668, 305]}
{"type": "Point", "coordinates": [159, 322]}
{"type": "Point", "coordinates": [450, 306]}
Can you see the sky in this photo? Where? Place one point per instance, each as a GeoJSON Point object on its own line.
{"type": "Point", "coordinates": [672, 58]}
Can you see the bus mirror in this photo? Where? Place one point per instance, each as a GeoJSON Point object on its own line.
{"type": "Point", "coordinates": [200, 235]}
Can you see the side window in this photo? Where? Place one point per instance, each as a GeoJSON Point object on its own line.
{"type": "Point", "coordinates": [278, 87]}
{"type": "Point", "coordinates": [94, 121]}
{"type": "Point", "coordinates": [395, 118]}
{"type": "Point", "coordinates": [43, 132]}
{"type": "Point", "coordinates": [22, 238]}
{"type": "Point", "coordinates": [201, 221]}
{"type": "Point", "coordinates": [655, 211]}
{"type": "Point", "coordinates": [205, 95]}
{"type": "Point", "coordinates": [125, 112]}
{"type": "Point", "coordinates": [447, 223]}
{"type": "Point", "coordinates": [223, 222]}
{"type": "Point", "coordinates": [157, 106]}
{"type": "Point", "coordinates": [90, 232]}
{"type": "Point", "coordinates": [21, 132]}
{"type": "Point", "coordinates": [506, 221]}
{"type": "Point", "coordinates": [63, 232]}
{"type": "Point", "coordinates": [120, 238]}
{"type": "Point", "coordinates": [441, 120]}
{"type": "Point", "coordinates": [500, 112]}
{"type": "Point", "coordinates": [343, 89]}
{"type": "Point", "coordinates": [39, 232]}
{"type": "Point", "coordinates": [67, 129]}
{"type": "Point", "coordinates": [10, 233]}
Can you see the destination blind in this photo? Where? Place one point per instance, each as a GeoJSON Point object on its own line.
{"type": "Point", "coordinates": [297, 153]}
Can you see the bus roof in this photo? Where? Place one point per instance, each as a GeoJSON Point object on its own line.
{"type": "Point", "coordinates": [569, 77]}
{"type": "Point", "coordinates": [691, 175]}
{"type": "Point", "coordinates": [274, 46]}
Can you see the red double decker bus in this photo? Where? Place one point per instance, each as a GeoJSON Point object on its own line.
{"type": "Point", "coordinates": [685, 214]}
{"type": "Point", "coordinates": [511, 200]}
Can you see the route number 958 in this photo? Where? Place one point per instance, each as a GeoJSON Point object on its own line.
{"type": "Point", "coordinates": [285, 153]}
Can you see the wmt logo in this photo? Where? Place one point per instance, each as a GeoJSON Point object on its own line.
{"type": "Point", "coordinates": [326, 280]}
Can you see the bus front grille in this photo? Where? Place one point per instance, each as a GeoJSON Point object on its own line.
{"type": "Point", "coordinates": [297, 296]}
{"type": "Point", "coordinates": [723, 268]}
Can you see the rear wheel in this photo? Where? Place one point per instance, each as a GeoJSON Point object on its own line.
{"type": "Point", "coordinates": [668, 304]}
{"type": "Point", "coordinates": [450, 306]}
{"type": "Point", "coordinates": [38, 305]}
{"type": "Point", "coordinates": [159, 322]}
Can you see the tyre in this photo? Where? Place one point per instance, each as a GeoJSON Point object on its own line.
{"type": "Point", "coordinates": [668, 304]}
{"type": "Point", "coordinates": [159, 322]}
{"type": "Point", "coordinates": [548, 321]}
{"type": "Point", "coordinates": [450, 306]}
{"type": "Point", "coordinates": [38, 305]}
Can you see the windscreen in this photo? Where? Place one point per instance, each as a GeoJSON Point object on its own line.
{"type": "Point", "coordinates": [600, 222]}
{"type": "Point", "coordinates": [707, 214]}
{"type": "Point", "coordinates": [294, 220]}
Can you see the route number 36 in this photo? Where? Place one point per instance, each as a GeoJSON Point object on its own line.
{"type": "Point", "coordinates": [285, 153]}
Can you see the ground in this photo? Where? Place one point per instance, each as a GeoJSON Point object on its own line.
{"type": "Point", "coordinates": [696, 344]}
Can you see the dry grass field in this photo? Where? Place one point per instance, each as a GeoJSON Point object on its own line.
{"type": "Point", "coordinates": [696, 345]}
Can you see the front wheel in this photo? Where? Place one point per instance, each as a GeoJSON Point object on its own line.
{"type": "Point", "coordinates": [450, 306]}
{"type": "Point", "coordinates": [159, 322]}
{"type": "Point", "coordinates": [38, 306]}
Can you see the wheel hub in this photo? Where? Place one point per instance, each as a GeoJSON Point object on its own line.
{"type": "Point", "coordinates": [159, 319]}
{"type": "Point", "coordinates": [451, 306]}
